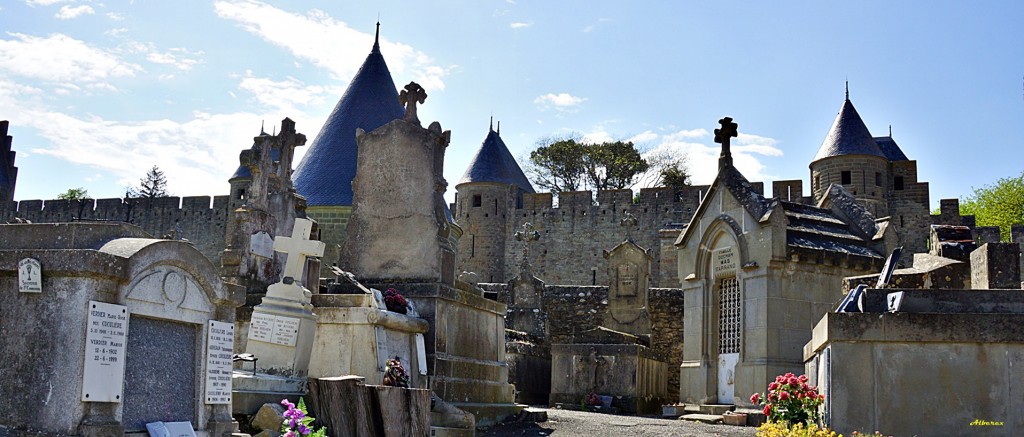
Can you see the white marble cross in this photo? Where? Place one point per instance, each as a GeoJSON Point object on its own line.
{"type": "Point", "coordinates": [298, 247]}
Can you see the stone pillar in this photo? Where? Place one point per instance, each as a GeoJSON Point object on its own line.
{"type": "Point", "coordinates": [996, 266]}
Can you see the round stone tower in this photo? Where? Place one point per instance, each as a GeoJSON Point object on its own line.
{"type": "Point", "coordinates": [851, 157]}
{"type": "Point", "coordinates": [490, 191]}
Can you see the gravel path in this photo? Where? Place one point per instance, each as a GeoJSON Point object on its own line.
{"type": "Point", "coordinates": [579, 423]}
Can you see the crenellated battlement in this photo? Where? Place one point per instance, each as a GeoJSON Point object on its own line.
{"type": "Point", "coordinates": [198, 219]}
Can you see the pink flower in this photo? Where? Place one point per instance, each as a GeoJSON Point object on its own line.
{"type": "Point", "coordinates": [780, 379]}
{"type": "Point", "coordinates": [784, 395]}
{"type": "Point", "coordinates": [789, 374]}
{"type": "Point", "coordinates": [755, 397]}
{"type": "Point", "coordinates": [767, 409]}
{"type": "Point", "coordinates": [290, 434]}
{"type": "Point", "coordinates": [793, 381]}
{"type": "Point", "coordinates": [803, 378]}
{"type": "Point", "coordinates": [773, 386]}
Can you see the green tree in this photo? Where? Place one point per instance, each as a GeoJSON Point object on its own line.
{"type": "Point", "coordinates": [569, 164]}
{"type": "Point", "coordinates": [1000, 204]}
{"type": "Point", "coordinates": [152, 185]}
{"type": "Point", "coordinates": [74, 194]}
{"type": "Point", "coordinates": [614, 165]}
{"type": "Point", "coordinates": [557, 166]}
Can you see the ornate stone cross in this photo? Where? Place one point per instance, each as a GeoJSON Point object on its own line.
{"type": "Point", "coordinates": [298, 247]}
{"type": "Point", "coordinates": [722, 135]}
{"type": "Point", "coordinates": [629, 222]}
{"type": "Point", "coordinates": [527, 235]}
{"type": "Point", "coordinates": [412, 94]}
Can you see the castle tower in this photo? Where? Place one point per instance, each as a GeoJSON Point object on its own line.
{"type": "Point", "coordinates": [8, 172]}
{"type": "Point", "coordinates": [324, 176]}
{"type": "Point", "coordinates": [851, 157]}
{"type": "Point", "coordinates": [491, 189]}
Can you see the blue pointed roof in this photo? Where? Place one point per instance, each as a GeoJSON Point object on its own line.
{"type": "Point", "coordinates": [324, 176]}
{"type": "Point", "coordinates": [494, 163]}
{"type": "Point", "coordinates": [891, 149]}
{"type": "Point", "coordinates": [848, 136]}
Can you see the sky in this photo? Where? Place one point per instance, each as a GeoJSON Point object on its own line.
{"type": "Point", "coordinates": [98, 92]}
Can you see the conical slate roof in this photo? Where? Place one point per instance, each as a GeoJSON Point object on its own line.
{"type": "Point", "coordinates": [848, 136]}
{"type": "Point", "coordinates": [891, 149]}
{"type": "Point", "coordinates": [324, 176]}
{"type": "Point", "coordinates": [494, 163]}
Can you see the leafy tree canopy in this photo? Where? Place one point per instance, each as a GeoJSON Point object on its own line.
{"type": "Point", "coordinates": [152, 185]}
{"type": "Point", "coordinates": [1000, 204]}
{"type": "Point", "coordinates": [569, 164]}
{"type": "Point", "coordinates": [74, 194]}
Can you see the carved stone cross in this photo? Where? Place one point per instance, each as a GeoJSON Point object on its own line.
{"type": "Point", "coordinates": [527, 235]}
{"type": "Point", "coordinates": [298, 247]}
{"type": "Point", "coordinates": [410, 96]}
{"type": "Point", "coordinates": [722, 136]}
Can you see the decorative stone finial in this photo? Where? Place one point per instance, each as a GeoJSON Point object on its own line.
{"type": "Point", "coordinates": [410, 96]}
{"type": "Point", "coordinates": [722, 136]}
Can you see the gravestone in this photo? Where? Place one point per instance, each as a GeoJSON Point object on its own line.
{"type": "Point", "coordinates": [401, 235]}
{"type": "Point", "coordinates": [116, 338]}
{"type": "Point", "coordinates": [281, 329]}
{"type": "Point", "coordinates": [629, 272]}
{"type": "Point", "coordinates": [996, 265]}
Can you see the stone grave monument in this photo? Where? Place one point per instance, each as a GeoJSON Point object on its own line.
{"type": "Point", "coordinates": [912, 344]}
{"type": "Point", "coordinates": [616, 360]}
{"type": "Point", "coordinates": [401, 235]}
{"type": "Point", "coordinates": [281, 330]}
{"type": "Point", "coordinates": [106, 330]}
{"type": "Point", "coordinates": [526, 340]}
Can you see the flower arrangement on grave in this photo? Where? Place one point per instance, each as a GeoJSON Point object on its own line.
{"type": "Point", "coordinates": [395, 375]}
{"type": "Point", "coordinates": [395, 302]}
{"type": "Point", "coordinates": [593, 400]}
{"type": "Point", "coordinates": [297, 420]}
{"type": "Point", "coordinates": [790, 400]}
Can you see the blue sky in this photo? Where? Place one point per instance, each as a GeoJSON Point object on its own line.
{"type": "Point", "coordinates": [98, 92]}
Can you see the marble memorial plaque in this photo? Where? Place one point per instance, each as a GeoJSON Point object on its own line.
{"type": "Point", "coordinates": [261, 327]}
{"type": "Point", "coordinates": [286, 331]}
{"type": "Point", "coordinates": [30, 276]}
{"type": "Point", "coordinates": [261, 244]}
{"type": "Point", "coordinates": [163, 377]}
{"type": "Point", "coordinates": [220, 345]}
{"type": "Point", "coordinates": [724, 262]}
{"type": "Point", "coordinates": [105, 337]}
{"type": "Point", "coordinates": [269, 328]}
{"type": "Point", "coordinates": [421, 354]}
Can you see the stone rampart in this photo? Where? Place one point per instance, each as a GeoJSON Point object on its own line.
{"type": "Point", "coordinates": [195, 219]}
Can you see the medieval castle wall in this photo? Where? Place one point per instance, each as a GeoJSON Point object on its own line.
{"type": "Point", "coordinates": [193, 218]}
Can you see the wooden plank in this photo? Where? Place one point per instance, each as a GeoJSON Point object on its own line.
{"type": "Point", "coordinates": [403, 412]}
{"type": "Point", "coordinates": [343, 405]}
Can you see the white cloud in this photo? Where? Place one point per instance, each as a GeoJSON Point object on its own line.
{"type": "Point", "coordinates": [701, 153]}
{"type": "Point", "coordinates": [560, 101]}
{"type": "Point", "coordinates": [115, 16]}
{"type": "Point", "coordinates": [176, 57]}
{"type": "Point", "coordinates": [43, 2]}
{"type": "Point", "coordinates": [643, 137]}
{"type": "Point", "coordinates": [116, 31]}
{"type": "Point", "coordinates": [519, 25]}
{"type": "Point", "coordinates": [68, 12]}
{"type": "Point", "coordinates": [329, 43]}
{"type": "Point", "coordinates": [289, 96]}
{"type": "Point", "coordinates": [58, 58]}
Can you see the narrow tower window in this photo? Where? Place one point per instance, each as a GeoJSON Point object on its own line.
{"type": "Point", "coordinates": [845, 178]}
{"type": "Point", "coordinates": [897, 183]}
{"type": "Point", "coordinates": [477, 201]}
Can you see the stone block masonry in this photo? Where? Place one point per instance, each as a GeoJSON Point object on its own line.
{"type": "Point", "coordinates": [192, 218]}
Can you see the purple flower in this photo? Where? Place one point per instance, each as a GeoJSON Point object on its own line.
{"type": "Point", "coordinates": [303, 430]}
{"type": "Point", "coordinates": [290, 434]}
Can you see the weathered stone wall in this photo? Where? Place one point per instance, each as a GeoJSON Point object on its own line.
{"type": "Point", "coordinates": [194, 218]}
{"type": "Point", "coordinates": [908, 207]}
{"type": "Point", "coordinates": [865, 174]}
{"type": "Point", "coordinates": [575, 234]}
{"type": "Point", "coordinates": [665, 306]}
{"type": "Point", "coordinates": [572, 310]}
{"type": "Point", "coordinates": [332, 221]}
